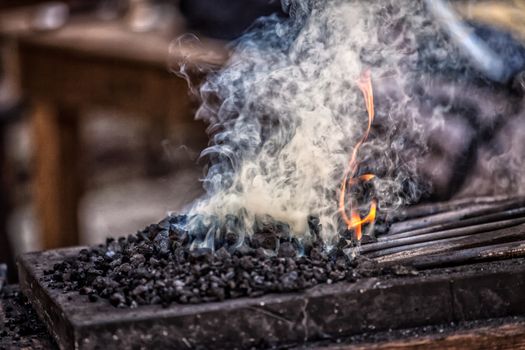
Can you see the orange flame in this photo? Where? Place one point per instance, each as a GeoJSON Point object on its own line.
{"type": "Point", "coordinates": [354, 221]}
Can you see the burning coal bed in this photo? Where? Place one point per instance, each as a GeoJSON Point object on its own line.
{"type": "Point", "coordinates": [163, 264]}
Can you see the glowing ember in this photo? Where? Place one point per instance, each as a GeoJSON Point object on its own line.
{"type": "Point", "coordinates": [353, 220]}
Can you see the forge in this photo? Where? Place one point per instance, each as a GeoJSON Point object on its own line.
{"type": "Point", "coordinates": [435, 264]}
{"type": "Point", "coordinates": [325, 126]}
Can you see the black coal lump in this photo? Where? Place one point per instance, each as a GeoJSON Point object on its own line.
{"type": "Point", "coordinates": [166, 263]}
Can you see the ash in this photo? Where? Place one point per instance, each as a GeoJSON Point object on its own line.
{"type": "Point", "coordinates": [164, 264]}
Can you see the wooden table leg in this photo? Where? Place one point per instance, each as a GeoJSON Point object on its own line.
{"type": "Point", "coordinates": [6, 249]}
{"type": "Point", "coordinates": [57, 182]}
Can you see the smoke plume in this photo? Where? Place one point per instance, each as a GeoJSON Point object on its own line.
{"type": "Point", "coordinates": [285, 111]}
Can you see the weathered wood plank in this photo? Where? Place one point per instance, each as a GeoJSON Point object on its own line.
{"type": "Point", "coordinates": [507, 336]}
{"type": "Point", "coordinates": [57, 180]}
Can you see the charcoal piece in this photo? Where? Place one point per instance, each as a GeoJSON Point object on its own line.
{"type": "Point", "coordinates": [342, 262]}
{"type": "Point", "coordinates": [269, 227]}
{"type": "Point", "coordinates": [117, 299]}
{"type": "Point", "coordinates": [289, 281]}
{"type": "Point", "coordinates": [231, 230]}
{"type": "Point", "coordinates": [317, 254]}
{"type": "Point", "coordinates": [200, 254]}
{"type": "Point", "coordinates": [145, 248]}
{"type": "Point", "coordinates": [180, 255]}
{"type": "Point", "coordinates": [286, 250]}
{"type": "Point", "coordinates": [178, 221]}
{"type": "Point", "coordinates": [164, 224]}
{"type": "Point", "coordinates": [178, 228]}
{"type": "Point", "coordinates": [246, 262]}
{"type": "Point", "coordinates": [231, 238]}
{"type": "Point", "coordinates": [162, 242]}
{"type": "Point", "coordinates": [246, 249]}
{"type": "Point", "coordinates": [222, 254]}
{"type": "Point", "coordinates": [137, 259]}
{"type": "Point", "coordinates": [151, 231]}
{"type": "Point", "coordinates": [266, 240]}
{"type": "Point", "coordinates": [123, 269]}
{"type": "Point", "coordinates": [314, 224]}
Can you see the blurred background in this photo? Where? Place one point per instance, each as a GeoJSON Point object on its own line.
{"type": "Point", "coordinates": [97, 136]}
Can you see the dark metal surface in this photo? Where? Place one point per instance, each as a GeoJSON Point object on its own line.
{"type": "Point", "coordinates": [473, 255]}
{"type": "Point", "coordinates": [404, 254]}
{"type": "Point", "coordinates": [466, 211]}
{"type": "Point", "coordinates": [443, 234]}
{"type": "Point", "coordinates": [452, 233]}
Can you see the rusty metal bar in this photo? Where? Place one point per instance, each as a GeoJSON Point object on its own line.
{"type": "Point", "coordinates": [456, 215]}
{"type": "Point", "coordinates": [406, 252]}
{"type": "Point", "coordinates": [490, 218]}
{"type": "Point", "coordinates": [472, 255]}
{"type": "Point", "coordinates": [420, 210]}
{"type": "Point", "coordinates": [434, 236]}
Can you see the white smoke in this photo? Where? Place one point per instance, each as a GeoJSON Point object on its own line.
{"type": "Point", "coordinates": [285, 112]}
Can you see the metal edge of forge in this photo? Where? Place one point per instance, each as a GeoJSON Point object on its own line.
{"type": "Point", "coordinates": [324, 312]}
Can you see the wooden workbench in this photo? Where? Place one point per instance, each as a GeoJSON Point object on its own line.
{"type": "Point", "coordinates": [84, 64]}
